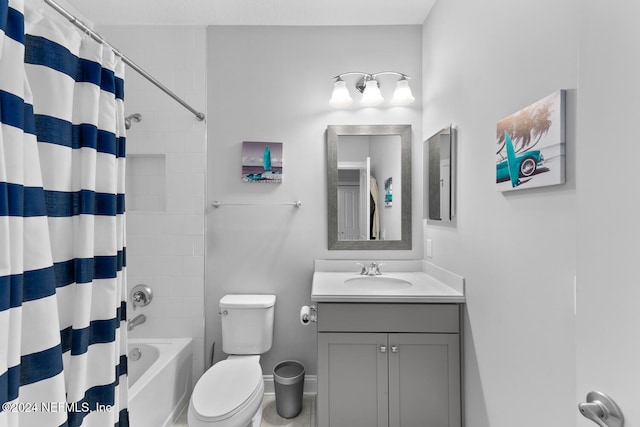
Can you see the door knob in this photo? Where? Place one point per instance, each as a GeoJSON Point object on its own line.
{"type": "Point", "coordinates": [602, 410]}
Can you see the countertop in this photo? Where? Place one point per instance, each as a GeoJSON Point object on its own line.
{"type": "Point", "coordinates": [430, 283]}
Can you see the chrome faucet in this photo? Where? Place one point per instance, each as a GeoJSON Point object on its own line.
{"type": "Point", "coordinates": [372, 269]}
{"type": "Point", "coordinates": [141, 295]}
{"type": "Point", "coordinates": [136, 321]}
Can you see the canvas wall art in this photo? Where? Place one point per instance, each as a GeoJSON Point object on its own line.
{"type": "Point", "coordinates": [530, 148]}
{"type": "Point", "coordinates": [388, 192]}
{"type": "Point", "coordinates": [262, 162]}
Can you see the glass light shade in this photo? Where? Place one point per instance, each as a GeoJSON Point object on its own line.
{"type": "Point", "coordinates": [371, 95]}
{"type": "Point", "coordinates": [402, 94]}
{"type": "Point", "coordinates": [340, 96]}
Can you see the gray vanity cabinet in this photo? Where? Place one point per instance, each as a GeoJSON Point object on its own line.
{"type": "Point", "coordinates": [405, 373]}
{"type": "Point", "coordinates": [353, 380]}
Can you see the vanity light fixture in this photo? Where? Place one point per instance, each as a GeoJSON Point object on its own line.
{"type": "Point", "coordinates": [369, 86]}
{"type": "Point", "coordinates": [340, 96]}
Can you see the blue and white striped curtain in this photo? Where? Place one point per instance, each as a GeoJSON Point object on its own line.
{"type": "Point", "coordinates": [62, 242]}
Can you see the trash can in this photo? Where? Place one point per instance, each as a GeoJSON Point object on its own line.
{"type": "Point", "coordinates": [288, 378]}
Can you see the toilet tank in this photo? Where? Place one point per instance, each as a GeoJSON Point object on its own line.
{"type": "Point", "coordinates": [247, 323]}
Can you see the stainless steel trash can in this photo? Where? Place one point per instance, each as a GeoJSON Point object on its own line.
{"type": "Point", "coordinates": [288, 378]}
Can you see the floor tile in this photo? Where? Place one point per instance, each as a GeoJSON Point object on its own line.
{"type": "Point", "coordinates": [270, 417]}
{"type": "Point", "coordinates": [306, 418]}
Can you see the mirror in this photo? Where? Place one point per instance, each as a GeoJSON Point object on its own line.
{"type": "Point", "coordinates": [439, 150]}
{"type": "Point", "coordinates": [369, 187]}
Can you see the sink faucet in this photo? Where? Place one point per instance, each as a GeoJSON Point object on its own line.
{"type": "Point", "coordinates": [138, 320]}
{"type": "Point", "coordinates": [372, 269]}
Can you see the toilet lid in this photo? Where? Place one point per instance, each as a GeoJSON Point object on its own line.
{"type": "Point", "coordinates": [225, 387]}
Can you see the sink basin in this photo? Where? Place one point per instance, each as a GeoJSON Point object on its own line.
{"type": "Point", "coordinates": [378, 283]}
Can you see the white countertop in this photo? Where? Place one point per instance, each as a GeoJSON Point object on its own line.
{"type": "Point", "coordinates": [430, 283]}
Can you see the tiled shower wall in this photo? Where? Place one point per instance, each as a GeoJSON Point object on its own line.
{"type": "Point", "coordinates": [166, 179]}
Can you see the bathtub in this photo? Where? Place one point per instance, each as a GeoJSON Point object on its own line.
{"type": "Point", "coordinates": [160, 381]}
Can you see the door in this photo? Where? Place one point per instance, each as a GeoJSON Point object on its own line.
{"type": "Point", "coordinates": [352, 380]}
{"type": "Point", "coordinates": [348, 212]}
{"type": "Point", "coordinates": [608, 210]}
{"type": "Point", "coordinates": [424, 380]}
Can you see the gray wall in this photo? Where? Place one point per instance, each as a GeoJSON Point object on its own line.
{"type": "Point", "coordinates": [517, 251]}
{"type": "Point", "coordinates": [274, 84]}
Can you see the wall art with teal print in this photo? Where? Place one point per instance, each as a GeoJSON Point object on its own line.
{"type": "Point", "coordinates": [530, 148]}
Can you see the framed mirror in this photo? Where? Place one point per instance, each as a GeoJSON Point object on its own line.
{"type": "Point", "coordinates": [440, 200]}
{"type": "Point", "coordinates": [369, 187]}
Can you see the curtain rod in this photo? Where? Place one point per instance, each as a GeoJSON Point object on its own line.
{"type": "Point", "coordinates": [97, 37]}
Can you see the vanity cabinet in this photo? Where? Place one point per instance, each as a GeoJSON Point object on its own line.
{"type": "Point", "coordinates": [388, 365]}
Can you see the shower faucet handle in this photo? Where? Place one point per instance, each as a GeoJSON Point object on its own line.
{"type": "Point", "coordinates": [141, 295]}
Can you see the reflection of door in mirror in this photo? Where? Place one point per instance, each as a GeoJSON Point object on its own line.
{"type": "Point", "coordinates": [445, 177]}
{"type": "Point", "coordinates": [354, 200]}
{"type": "Point", "coordinates": [348, 211]}
{"type": "Point", "coordinates": [350, 192]}
{"type": "Point", "coordinates": [440, 173]}
{"type": "Point", "coordinates": [364, 163]}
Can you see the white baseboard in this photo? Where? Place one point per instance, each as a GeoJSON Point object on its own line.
{"type": "Point", "coordinates": [310, 384]}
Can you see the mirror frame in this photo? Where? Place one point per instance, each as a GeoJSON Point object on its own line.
{"type": "Point", "coordinates": [333, 134]}
{"type": "Point", "coordinates": [429, 173]}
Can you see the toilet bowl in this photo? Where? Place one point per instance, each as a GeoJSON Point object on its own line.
{"type": "Point", "coordinates": [229, 394]}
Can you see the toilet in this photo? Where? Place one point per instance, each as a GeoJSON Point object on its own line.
{"type": "Point", "coordinates": [229, 394]}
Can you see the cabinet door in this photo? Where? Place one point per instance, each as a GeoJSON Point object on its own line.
{"type": "Point", "coordinates": [352, 380]}
{"type": "Point", "coordinates": [424, 380]}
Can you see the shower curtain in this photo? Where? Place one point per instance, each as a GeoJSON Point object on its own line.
{"type": "Point", "coordinates": [62, 242]}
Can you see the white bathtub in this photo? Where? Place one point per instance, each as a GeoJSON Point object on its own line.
{"type": "Point", "coordinates": [160, 381]}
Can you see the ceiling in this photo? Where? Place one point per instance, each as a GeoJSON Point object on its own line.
{"type": "Point", "coordinates": [253, 12]}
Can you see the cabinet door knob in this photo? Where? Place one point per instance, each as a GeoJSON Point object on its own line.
{"type": "Point", "coordinates": [394, 349]}
{"type": "Point", "coordinates": [383, 349]}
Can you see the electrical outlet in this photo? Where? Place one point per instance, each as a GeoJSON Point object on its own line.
{"type": "Point", "coordinates": [429, 249]}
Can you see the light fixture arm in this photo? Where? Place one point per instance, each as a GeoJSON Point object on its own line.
{"type": "Point", "coordinates": [369, 76]}
{"type": "Point", "coordinates": [394, 73]}
{"type": "Point", "coordinates": [353, 73]}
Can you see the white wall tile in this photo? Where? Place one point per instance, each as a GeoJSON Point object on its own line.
{"type": "Point", "coordinates": [193, 225]}
{"type": "Point", "coordinates": [193, 265]}
{"type": "Point", "coordinates": [199, 202]}
{"type": "Point", "coordinates": [180, 203]}
{"type": "Point", "coordinates": [200, 164]}
{"type": "Point", "coordinates": [180, 163]}
{"type": "Point", "coordinates": [165, 250]}
{"type": "Point", "coordinates": [192, 307]}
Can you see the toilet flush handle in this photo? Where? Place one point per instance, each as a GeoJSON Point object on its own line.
{"type": "Point", "coordinates": [223, 312]}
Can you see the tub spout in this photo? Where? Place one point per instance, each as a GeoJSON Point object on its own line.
{"type": "Point", "coordinates": [138, 320]}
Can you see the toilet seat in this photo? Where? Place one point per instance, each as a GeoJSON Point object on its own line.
{"type": "Point", "coordinates": [226, 389]}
